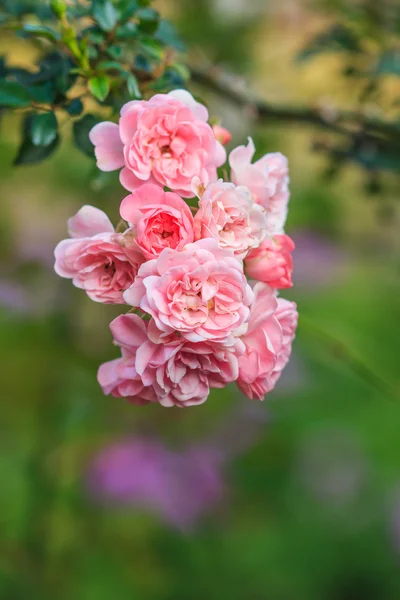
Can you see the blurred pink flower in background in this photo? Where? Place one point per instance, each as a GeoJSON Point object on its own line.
{"type": "Point", "coordinates": [143, 473]}
{"type": "Point", "coordinates": [164, 140]}
{"type": "Point", "coordinates": [180, 487]}
{"type": "Point", "coordinates": [318, 261]}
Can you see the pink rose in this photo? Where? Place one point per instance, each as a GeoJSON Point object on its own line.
{"type": "Point", "coordinates": [267, 179]}
{"type": "Point", "coordinates": [200, 292]}
{"type": "Point", "coordinates": [119, 377]}
{"type": "Point", "coordinates": [272, 262]}
{"type": "Point", "coordinates": [94, 259]}
{"type": "Point", "coordinates": [229, 215]}
{"type": "Point", "coordinates": [267, 342]}
{"type": "Point", "coordinates": [223, 135]}
{"type": "Point", "coordinates": [287, 316]}
{"type": "Point", "coordinates": [177, 373]}
{"type": "Point", "coordinates": [164, 140]}
{"type": "Point", "coordinates": [158, 220]}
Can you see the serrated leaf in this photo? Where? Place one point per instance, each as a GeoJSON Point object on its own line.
{"type": "Point", "coordinates": [75, 107]}
{"type": "Point", "coordinates": [13, 95]}
{"type": "Point", "coordinates": [99, 87]}
{"type": "Point", "coordinates": [105, 14]}
{"type": "Point", "coordinates": [133, 86]}
{"type": "Point", "coordinates": [42, 31]}
{"type": "Point", "coordinates": [43, 130]}
{"type": "Point", "coordinates": [81, 130]}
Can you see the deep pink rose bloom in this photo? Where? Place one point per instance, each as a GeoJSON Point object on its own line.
{"type": "Point", "coordinates": [177, 373]}
{"type": "Point", "coordinates": [164, 140]}
{"type": "Point", "coordinates": [94, 258]}
{"type": "Point", "coordinates": [267, 179]}
{"type": "Point", "coordinates": [229, 215]}
{"type": "Point", "coordinates": [158, 220]}
{"type": "Point", "coordinates": [272, 262]}
{"type": "Point", "coordinates": [200, 292]}
{"type": "Point", "coordinates": [222, 134]}
{"type": "Point", "coordinates": [268, 342]}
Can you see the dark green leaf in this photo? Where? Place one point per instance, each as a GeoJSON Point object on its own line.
{"type": "Point", "coordinates": [151, 47]}
{"type": "Point", "coordinates": [128, 31]}
{"type": "Point", "coordinates": [100, 87]}
{"type": "Point", "coordinates": [148, 20]}
{"type": "Point", "coordinates": [43, 93]}
{"type": "Point", "coordinates": [337, 38]}
{"type": "Point", "coordinates": [75, 107]}
{"type": "Point", "coordinates": [81, 130]}
{"type": "Point", "coordinates": [115, 51]}
{"type": "Point", "coordinates": [13, 95]}
{"type": "Point", "coordinates": [105, 14]}
{"type": "Point", "coordinates": [109, 65]}
{"type": "Point", "coordinates": [133, 86]}
{"type": "Point", "coordinates": [28, 153]}
{"type": "Point", "coordinates": [42, 31]}
{"type": "Point", "coordinates": [127, 8]}
{"type": "Point", "coordinates": [44, 129]}
{"type": "Point", "coordinates": [142, 63]}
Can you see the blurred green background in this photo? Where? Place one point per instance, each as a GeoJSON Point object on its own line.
{"type": "Point", "coordinates": [296, 498]}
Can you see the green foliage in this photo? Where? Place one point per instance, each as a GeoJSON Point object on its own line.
{"type": "Point", "coordinates": [111, 51]}
{"type": "Point", "coordinates": [338, 38]}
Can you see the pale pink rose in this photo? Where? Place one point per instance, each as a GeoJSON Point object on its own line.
{"type": "Point", "coordinates": [267, 179]}
{"type": "Point", "coordinates": [164, 140]}
{"type": "Point", "coordinates": [223, 135]}
{"type": "Point", "coordinates": [177, 373]}
{"type": "Point", "coordinates": [267, 342]}
{"type": "Point", "coordinates": [272, 262]}
{"type": "Point", "coordinates": [119, 377]}
{"type": "Point", "coordinates": [287, 316]}
{"type": "Point", "coordinates": [229, 215]}
{"type": "Point", "coordinates": [200, 292]}
{"type": "Point", "coordinates": [94, 258]}
{"type": "Point", "coordinates": [158, 220]}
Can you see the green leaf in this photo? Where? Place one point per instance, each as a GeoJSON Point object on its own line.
{"type": "Point", "coordinates": [13, 95]}
{"type": "Point", "coordinates": [43, 93]}
{"type": "Point", "coordinates": [81, 130]}
{"type": "Point", "coordinates": [43, 130]}
{"type": "Point", "coordinates": [128, 31]}
{"type": "Point", "coordinates": [133, 86]}
{"type": "Point", "coordinates": [28, 153]}
{"type": "Point", "coordinates": [337, 38]}
{"type": "Point", "coordinates": [75, 107]}
{"type": "Point", "coordinates": [100, 87]}
{"type": "Point", "coordinates": [109, 65]}
{"type": "Point", "coordinates": [105, 14]}
{"type": "Point", "coordinates": [127, 9]}
{"type": "Point", "coordinates": [168, 35]}
{"type": "Point", "coordinates": [42, 31]}
{"type": "Point", "coordinates": [151, 47]}
{"type": "Point", "coordinates": [115, 51]}
{"type": "Point", "coordinates": [148, 20]}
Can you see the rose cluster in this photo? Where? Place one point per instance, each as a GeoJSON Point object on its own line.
{"type": "Point", "coordinates": [199, 259]}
